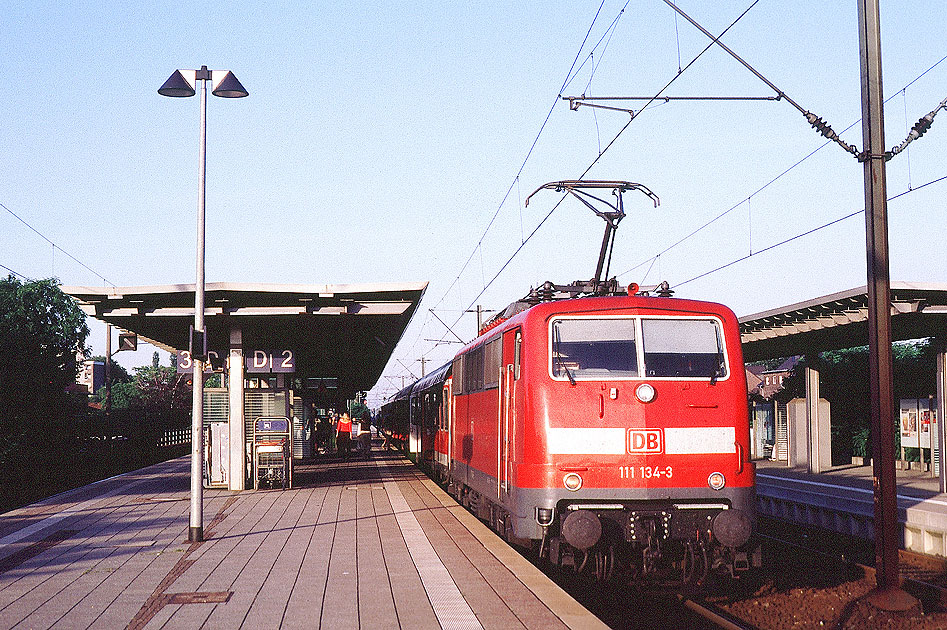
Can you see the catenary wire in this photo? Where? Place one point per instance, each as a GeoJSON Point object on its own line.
{"type": "Point", "coordinates": [569, 75]}
{"type": "Point", "coordinates": [806, 233]}
{"type": "Point", "coordinates": [15, 273]}
{"type": "Point", "coordinates": [771, 182]}
{"type": "Point", "coordinates": [601, 153]}
{"type": "Point", "coordinates": [653, 259]}
{"type": "Point", "coordinates": [55, 246]}
{"type": "Point", "coordinates": [584, 173]}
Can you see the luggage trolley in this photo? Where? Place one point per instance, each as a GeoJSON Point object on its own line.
{"type": "Point", "coordinates": [273, 452]}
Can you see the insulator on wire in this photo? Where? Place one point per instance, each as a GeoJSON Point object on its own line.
{"type": "Point", "coordinates": [922, 125]}
{"type": "Point", "coordinates": [821, 126]}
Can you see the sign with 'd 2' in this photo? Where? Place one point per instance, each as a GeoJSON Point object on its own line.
{"type": "Point", "coordinates": [266, 361]}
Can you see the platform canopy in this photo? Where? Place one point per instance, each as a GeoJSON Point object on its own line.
{"type": "Point", "coordinates": [347, 332]}
{"type": "Point", "coordinates": [840, 320]}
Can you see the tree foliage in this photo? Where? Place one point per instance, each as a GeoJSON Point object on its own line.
{"type": "Point", "coordinates": [41, 330]}
{"type": "Point", "coordinates": [844, 382]}
{"type": "Point", "coordinates": [153, 388]}
{"type": "Point", "coordinates": [161, 388]}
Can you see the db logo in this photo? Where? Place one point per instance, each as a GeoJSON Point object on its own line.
{"type": "Point", "coordinates": [644, 441]}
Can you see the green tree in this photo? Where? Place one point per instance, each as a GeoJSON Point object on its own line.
{"type": "Point", "coordinates": [161, 388]}
{"type": "Point", "coordinates": [124, 395]}
{"type": "Point", "coordinates": [41, 331]}
{"type": "Point", "coordinates": [844, 382]}
{"type": "Point", "coordinates": [123, 391]}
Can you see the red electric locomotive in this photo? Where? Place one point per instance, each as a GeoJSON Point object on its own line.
{"type": "Point", "coordinates": [610, 433]}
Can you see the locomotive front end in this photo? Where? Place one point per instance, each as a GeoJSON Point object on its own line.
{"type": "Point", "coordinates": [645, 441]}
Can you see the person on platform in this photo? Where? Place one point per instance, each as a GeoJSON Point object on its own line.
{"type": "Point", "coordinates": [343, 435]}
{"type": "Point", "coordinates": [324, 433]}
{"type": "Point", "coordinates": [365, 437]}
{"type": "Point", "coordinates": [311, 431]}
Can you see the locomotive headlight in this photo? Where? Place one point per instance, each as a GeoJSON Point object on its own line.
{"type": "Point", "coordinates": [645, 393]}
{"type": "Point", "coordinates": [572, 481]}
{"type": "Point", "coordinates": [716, 480]}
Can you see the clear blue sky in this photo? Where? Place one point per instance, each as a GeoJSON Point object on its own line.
{"type": "Point", "coordinates": [379, 140]}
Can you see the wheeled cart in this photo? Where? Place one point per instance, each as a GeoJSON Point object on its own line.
{"type": "Point", "coordinates": [272, 453]}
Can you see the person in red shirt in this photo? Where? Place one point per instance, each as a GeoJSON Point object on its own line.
{"type": "Point", "coordinates": [343, 436]}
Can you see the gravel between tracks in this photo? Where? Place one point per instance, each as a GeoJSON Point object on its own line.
{"type": "Point", "coordinates": [809, 594]}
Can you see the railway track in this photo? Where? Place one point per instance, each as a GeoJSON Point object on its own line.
{"type": "Point", "coordinates": [716, 616]}
{"type": "Point", "coordinates": [821, 579]}
{"type": "Point", "coordinates": [623, 607]}
{"type": "Point", "coordinates": [925, 577]}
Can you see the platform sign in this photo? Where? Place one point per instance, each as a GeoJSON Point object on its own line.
{"type": "Point", "coordinates": [267, 361]}
{"type": "Point", "coordinates": [255, 362]}
{"type": "Point", "coordinates": [185, 363]}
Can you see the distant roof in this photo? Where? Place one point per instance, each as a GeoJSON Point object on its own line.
{"type": "Point", "coordinates": [840, 320]}
{"type": "Point", "coordinates": [753, 380]}
{"type": "Point", "coordinates": [344, 331]}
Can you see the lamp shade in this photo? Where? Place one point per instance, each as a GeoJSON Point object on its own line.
{"type": "Point", "coordinates": [230, 87]}
{"type": "Point", "coordinates": [176, 86]}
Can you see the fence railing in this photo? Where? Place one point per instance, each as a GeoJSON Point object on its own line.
{"type": "Point", "coordinates": [175, 437]}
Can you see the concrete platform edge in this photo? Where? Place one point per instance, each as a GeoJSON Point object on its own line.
{"type": "Point", "coordinates": [558, 601]}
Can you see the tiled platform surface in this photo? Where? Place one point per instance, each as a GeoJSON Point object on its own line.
{"type": "Point", "coordinates": [363, 544]}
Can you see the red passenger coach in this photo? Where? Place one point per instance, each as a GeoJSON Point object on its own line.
{"type": "Point", "coordinates": [610, 433]}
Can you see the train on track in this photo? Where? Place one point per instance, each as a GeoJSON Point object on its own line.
{"type": "Point", "coordinates": [609, 433]}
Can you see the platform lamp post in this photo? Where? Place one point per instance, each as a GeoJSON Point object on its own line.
{"type": "Point", "coordinates": [182, 84]}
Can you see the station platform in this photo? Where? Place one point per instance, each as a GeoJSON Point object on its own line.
{"type": "Point", "coordinates": [359, 544]}
{"type": "Point", "coordinates": [842, 499]}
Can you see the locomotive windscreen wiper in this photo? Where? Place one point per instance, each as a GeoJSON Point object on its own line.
{"type": "Point", "coordinates": [557, 339]}
{"type": "Point", "coordinates": [717, 372]}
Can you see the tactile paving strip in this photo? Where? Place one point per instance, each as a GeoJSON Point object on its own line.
{"type": "Point", "coordinates": [450, 607]}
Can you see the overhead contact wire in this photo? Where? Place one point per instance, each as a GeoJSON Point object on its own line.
{"type": "Point", "coordinates": [774, 180]}
{"type": "Point", "coordinates": [55, 246]}
{"type": "Point", "coordinates": [570, 75]}
{"type": "Point", "coordinates": [529, 153]}
{"type": "Point", "coordinates": [607, 147]}
{"type": "Point", "coordinates": [599, 157]}
{"type": "Point", "coordinates": [806, 233]}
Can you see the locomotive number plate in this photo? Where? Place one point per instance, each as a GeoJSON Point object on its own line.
{"type": "Point", "coordinates": [645, 472]}
{"type": "Point", "coordinates": [645, 441]}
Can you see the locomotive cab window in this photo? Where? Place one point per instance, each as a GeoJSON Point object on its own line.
{"type": "Point", "coordinates": [594, 348]}
{"type": "Point", "coordinates": [689, 348]}
{"type": "Point", "coordinates": [616, 348]}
